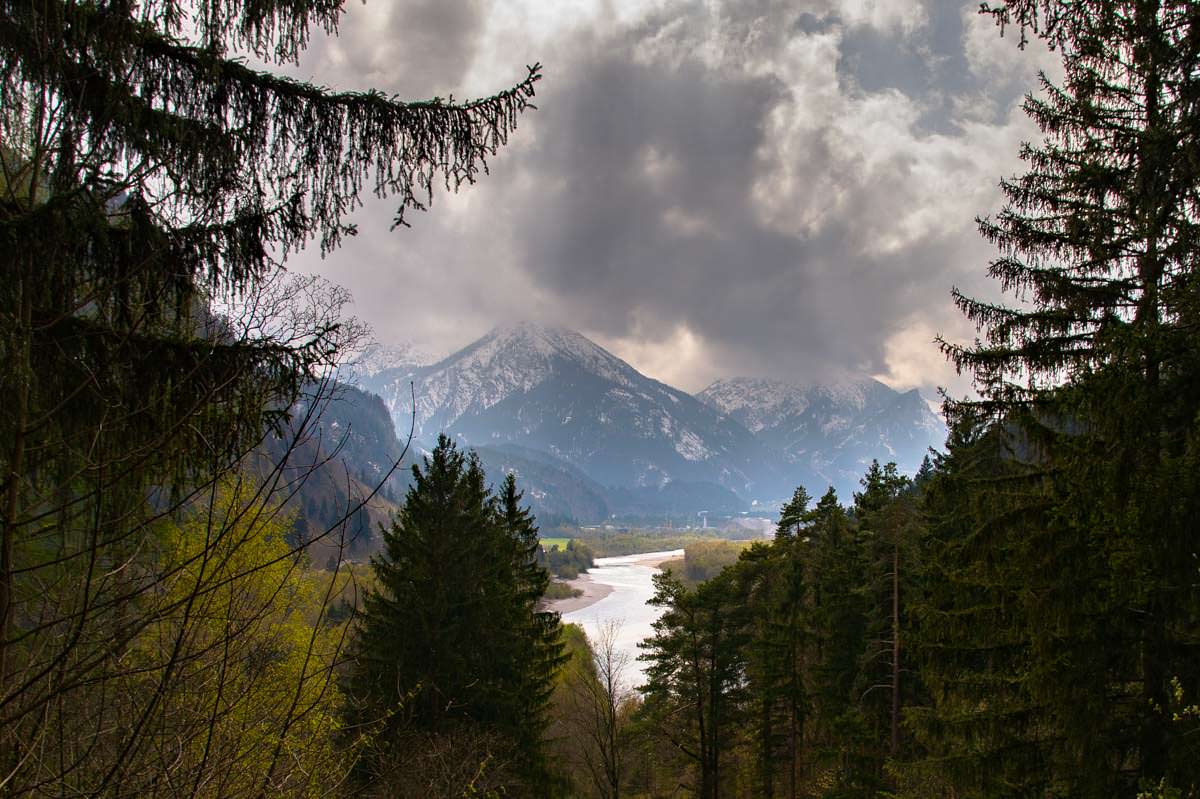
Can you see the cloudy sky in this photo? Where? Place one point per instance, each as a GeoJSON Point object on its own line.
{"type": "Point", "coordinates": [709, 189]}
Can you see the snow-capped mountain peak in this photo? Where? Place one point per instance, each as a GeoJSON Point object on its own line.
{"type": "Point", "coordinates": [522, 354]}
{"type": "Point", "coordinates": [384, 357]}
{"type": "Point", "coordinates": [756, 402]}
{"type": "Point", "coordinates": [552, 390]}
{"type": "Point", "coordinates": [834, 429]}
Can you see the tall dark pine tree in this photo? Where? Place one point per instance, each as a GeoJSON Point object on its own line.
{"type": "Point", "coordinates": [1096, 378]}
{"type": "Point", "coordinates": [695, 673]}
{"type": "Point", "coordinates": [887, 530]}
{"type": "Point", "coordinates": [987, 573]}
{"type": "Point", "coordinates": [538, 648]}
{"type": "Point", "coordinates": [772, 581]}
{"type": "Point", "coordinates": [450, 640]}
{"type": "Point", "coordinates": [791, 515]}
{"type": "Point", "coordinates": [836, 573]}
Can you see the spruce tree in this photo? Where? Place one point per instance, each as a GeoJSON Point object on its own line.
{"type": "Point", "coordinates": [770, 582]}
{"type": "Point", "coordinates": [695, 673]}
{"type": "Point", "coordinates": [538, 647]}
{"type": "Point", "coordinates": [838, 615]}
{"type": "Point", "coordinates": [791, 515]}
{"type": "Point", "coordinates": [450, 639]}
{"type": "Point", "coordinates": [887, 532]}
{"type": "Point", "coordinates": [1093, 383]}
{"type": "Point", "coordinates": [986, 575]}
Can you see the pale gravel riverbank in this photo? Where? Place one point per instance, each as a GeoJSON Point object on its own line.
{"type": "Point", "coordinates": [593, 591]}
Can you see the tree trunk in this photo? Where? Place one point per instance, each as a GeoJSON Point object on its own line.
{"type": "Point", "coordinates": [895, 747]}
{"type": "Point", "coordinates": [12, 507]}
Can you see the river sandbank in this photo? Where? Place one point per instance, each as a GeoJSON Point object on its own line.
{"type": "Point", "coordinates": [593, 591]}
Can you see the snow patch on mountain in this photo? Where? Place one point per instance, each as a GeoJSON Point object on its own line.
{"type": "Point", "coordinates": [551, 390]}
{"type": "Point", "coordinates": [384, 357]}
{"type": "Point", "coordinates": [757, 403]}
{"type": "Point", "coordinates": [511, 359]}
{"type": "Point", "coordinates": [835, 429]}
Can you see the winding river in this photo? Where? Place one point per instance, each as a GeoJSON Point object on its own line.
{"type": "Point", "coordinates": [629, 577]}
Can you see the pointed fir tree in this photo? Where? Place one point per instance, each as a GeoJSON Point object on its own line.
{"type": "Point", "coordinates": [770, 580]}
{"type": "Point", "coordinates": [990, 729]}
{"type": "Point", "coordinates": [1093, 379]}
{"type": "Point", "coordinates": [889, 533]}
{"type": "Point", "coordinates": [451, 639]}
{"type": "Point", "coordinates": [791, 515]}
{"type": "Point", "coordinates": [695, 674]}
{"type": "Point", "coordinates": [538, 649]}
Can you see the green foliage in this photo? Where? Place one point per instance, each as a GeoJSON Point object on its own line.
{"type": "Point", "coordinates": [704, 560]}
{"type": "Point", "coordinates": [594, 705]}
{"type": "Point", "coordinates": [1064, 519]}
{"type": "Point", "coordinates": [694, 674]}
{"type": "Point", "coordinates": [450, 643]}
{"type": "Point", "coordinates": [606, 544]}
{"type": "Point", "coordinates": [151, 182]}
{"type": "Point", "coordinates": [567, 561]}
{"type": "Point", "coordinates": [787, 663]}
{"type": "Point", "coordinates": [557, 590]}
{"type": "Point", "coordinates": [276, 705]}
{"type": "Point", "coordinates": [212, 642]}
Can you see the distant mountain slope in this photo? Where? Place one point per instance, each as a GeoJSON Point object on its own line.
{"type": "Point", "coordinates": [589, 430]}
{"type": "Point", "coordinates": [344, 456]}
{"type": "Point", "coordinates": [556, 491]}
{"type": "Point", "coordinates": [553, 390]}
{"type": "Point", "coordinates": [830, 433]}
{"type": "Point", "coordinates": [560, 493]}
{"type": "Point", "coordinates": [386, 370]}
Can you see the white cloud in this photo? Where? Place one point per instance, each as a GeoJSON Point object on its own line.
{"type": "Point", "coordinates": [680, 358]}
{"type": "Point", "coordinates": [913, 360]}
{"type": "Point", "coordinates": [897, 17]}
{"type": "Point", "coordinates": [999, 58]}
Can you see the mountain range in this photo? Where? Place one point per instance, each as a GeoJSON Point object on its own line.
{"type": "Point", "coordinates": [576, 421]}
{"type": "Point", "coordinates": [828, 434]}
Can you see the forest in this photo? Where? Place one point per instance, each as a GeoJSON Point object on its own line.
{"type": "Point", "coordinates": [1021, 618]}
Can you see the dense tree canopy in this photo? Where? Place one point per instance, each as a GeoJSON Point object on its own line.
{"type": "Point", "coordinates": [1092, 385]}
{"type": "Point", "coordinates": [152, 180]}
{"type": "Point", "coordinates": [452, 640]}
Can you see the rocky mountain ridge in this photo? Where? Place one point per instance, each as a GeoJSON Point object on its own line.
{"type": "Point", "coordinates": [551, 396]}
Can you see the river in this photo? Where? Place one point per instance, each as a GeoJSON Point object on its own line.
{"type": "Point", "coordinates": [629, 577]}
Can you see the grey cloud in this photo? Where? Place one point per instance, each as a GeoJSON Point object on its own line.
{"type": "Point", "coordinates": [626, 202]}
{"type": "Point", "coordinates": [413, 48]}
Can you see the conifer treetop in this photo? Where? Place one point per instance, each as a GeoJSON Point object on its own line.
{"type": "Point", "coordinates": [155, 100]}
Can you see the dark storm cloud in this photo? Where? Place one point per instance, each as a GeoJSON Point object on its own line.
{"type": "Point", "coordinates": [795, 186]}
{"type": "Point", "coordinates": [642, 215]}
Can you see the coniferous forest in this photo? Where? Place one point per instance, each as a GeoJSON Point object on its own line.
{"type": "Point", "coordinates": [1020, 618]}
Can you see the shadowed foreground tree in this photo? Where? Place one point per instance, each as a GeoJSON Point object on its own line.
{"type": "Point", "coordinates": [1091, 380]}
{"type": "Point", "coordinates": [694, 678]}
{"type": "Point", "coordinates": [451, 653]}
{"type": "Point", "coordinates": [151, 183]}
